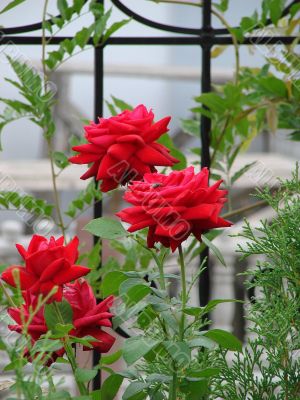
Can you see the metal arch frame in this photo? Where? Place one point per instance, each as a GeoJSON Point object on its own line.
{"type": "Point", "coordinates": [204, 38]}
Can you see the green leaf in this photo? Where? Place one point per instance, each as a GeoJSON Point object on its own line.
{"type": "Point", "coordinates": [81, 398]}
{"type": "Point", "coordinates": [213, 101]}
{"type": "Point", "coordinates": [81, 37]}
{"type": "Point", "coordinates": [122, 105]}
{"type": "Point", "coordinates": [153, 378]}
{"type": "Point", "coordinates": [276, 10]}
{"type": "Point", "coordinates": [133, 389]}
{"type": "Point", "coordinates": [63, 316]}
{"type": "Point", "coordinates": [222, 6]}
{"type": "Point", "coordinates": [11, 5]}
{"type": "Point", "coordinates": [15, 365]}
{"type": "Point", "coordinates": [137, 293]}
{"type": "Point", "coordinates": [111, 386]}
{"type": "Point", "coordinates": [242, 171]}
{"type": "Point", "coordinates": [85, 341]}
{"type": "Point", "coordinates": [47, 345]}
{"type": "Point", "coordinates": [62, 330]}
{"type": "Point", "coordinates": [62, 6]}
{"type": "Point", "coordinates": [60, 159]}
{"type": "Point", "coordinates": [194, 390]}
{"type": "Point", "coordinates": [78, 4]}
{"type": "Point", "coordinates": [68, 45]}
{"type": "Point", "coordinates": [225, 339]}
{"type": "Point", "coordinates": [106, 228]}
{"type": "Point", "coordinates": [214, 249]}
{"type": "Point", "coordinates": [295, 136]}
{"type": "Point", "coordinates": [111, 283]}
{"type": "Point", "coordinates": [85, 375]}
{"type": "Point", "coordinates": [114, 28]}
{"type": "Point", "coordinates": [136, 347]}
{"type": "Point", "coordinates": [96, 8]}
{"type": "Point", "coordinates": [204, 373]}
{"type": "Point", "coordinates": [85, 197]}
{"type": "Point", "coordinates": [202, 341]}
{"type": "Point", "coordinates": [213, 303]}
{"type": "Point", "coordinates": [167, 141]}
{"type": "Point", "coordinates": [191, 126]}
{"type": "Point", "coordinates": [274, 86]}
{"type": "Point", "coordinates": [129, 313]}
{"type": "Point", "coordinates": [12, 200]}
{"type": "Point", "coordinates": [61, 395]}
{"type": "Point", "coordinates": [146, 317]}
{"type": "Point", "coordinates": [100, 26]}
{"type": "Point", "coordinates": [111, 358]}
{"type": "Point", "coordinates": [179, 351]}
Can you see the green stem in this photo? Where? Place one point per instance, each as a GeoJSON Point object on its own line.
{"type": "Point", "coordinates": [49, 140]}
{"type": "Point", "coordinates": [71, 357]}
{"type": "Point", "coordinates": [244, 209]}
{"type": "Point", "coordinates": [173, 385]}
{"type": "Point", "coordinates": [44, 43]}
{"type": "Point", "coordinates": [55, 191]}
{"type": "Point", "coordinates": [183, 292]}
{"type": "Point", "coordinates": [158, 263]}
{"type": "Point", "coordinates": [161, 271]}
{"type": "Point", "coordinates": [7, 295]}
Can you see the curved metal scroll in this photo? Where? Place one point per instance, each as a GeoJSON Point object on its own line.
{"type": "Point", "coordinates": [153, 24]}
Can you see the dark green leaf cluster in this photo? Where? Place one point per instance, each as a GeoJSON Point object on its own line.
{"type": "Point", "coordinates": [269, 366]}
{"type": "Point", "coordinates": [241, 111]}
{"type": "Point", "coordinates": [25, 203]}
{"type": "Point", "coordinates": [84, 200]}
{"type": "Point", "coordinates": [156, 348]}
{"type": "Point", "coordinates": [37, 100]}
{"type": "Point", "coordinates": [95, 34]}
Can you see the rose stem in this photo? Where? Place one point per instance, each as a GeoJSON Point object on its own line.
{"type": "Point", "coordinates": [82, 389]}
{"type": "Point", "coordinates": [173, 385]}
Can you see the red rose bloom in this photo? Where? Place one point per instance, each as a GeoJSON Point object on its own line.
{"type": "Point", "coordinates": [48, 263]}
{"type": "Point", "coordinates": [88, 316]}
{"type": "Point", "coordinates": [123, 147]}
{"type": "Point", "coordinates": [174, 206]}
{"type": "Point", "coordinates": [36, 328]}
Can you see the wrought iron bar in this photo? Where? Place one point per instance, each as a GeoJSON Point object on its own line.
{"type": "Point", "coordinates": [98, 207]}
{"type": "Point", "coordinates": [158, 40]}
{"type": "Point", "coordinates": [205, 128]}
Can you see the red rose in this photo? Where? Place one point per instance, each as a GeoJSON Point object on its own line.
{"type": "Point", "coordinates": [48, 263]}
{"type": "Point", "coordinates": [124, 147]}
{"type": "Point", "coordinates": [174, 206]}
{"type": "Point", "coordinates": [88, 316]}
{"type": "Point", "coordinates": [36, 328]}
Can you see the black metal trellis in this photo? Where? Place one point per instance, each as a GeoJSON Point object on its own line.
{"type": "Point", "coordinates": [205, 37]}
